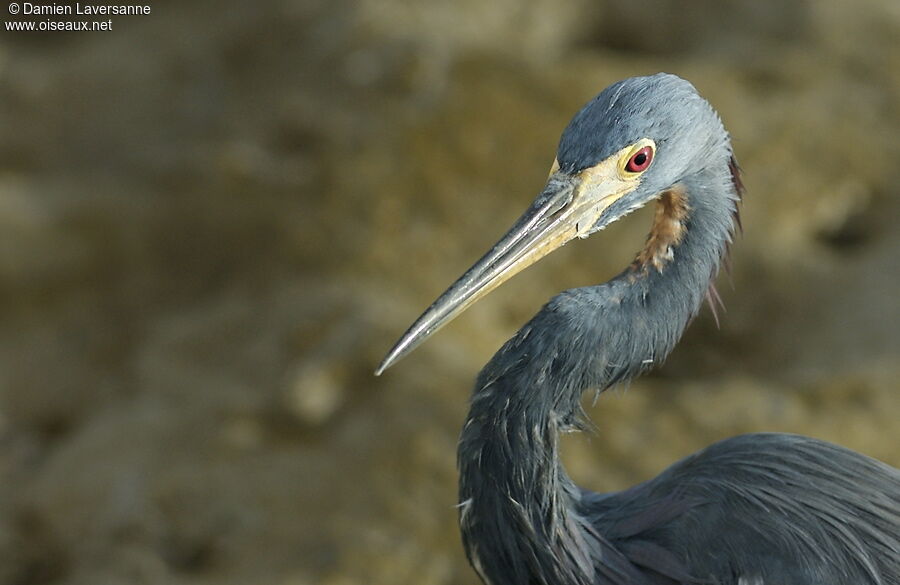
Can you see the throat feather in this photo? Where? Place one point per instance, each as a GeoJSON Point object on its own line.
{"type": "Point", "coordinates": [667, 231]}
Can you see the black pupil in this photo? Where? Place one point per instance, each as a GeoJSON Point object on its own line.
{"type": "Point", "coordinates": [639, 159]}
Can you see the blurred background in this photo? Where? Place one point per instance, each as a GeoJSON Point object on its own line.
{"type": "Point", "coordinates": [216, 219]}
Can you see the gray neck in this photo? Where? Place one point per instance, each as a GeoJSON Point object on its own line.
{"type": "Point", "coordinates": [518, 511]}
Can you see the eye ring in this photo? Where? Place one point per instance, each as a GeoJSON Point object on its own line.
{"type": "Point", "coordinates": [640, 160]}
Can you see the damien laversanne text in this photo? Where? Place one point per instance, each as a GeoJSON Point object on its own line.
{"type": "Point", "coordinates": [62, 9]}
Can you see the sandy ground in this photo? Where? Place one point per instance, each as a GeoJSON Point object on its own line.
{"type": "Point", "coordinates": [216, 218]}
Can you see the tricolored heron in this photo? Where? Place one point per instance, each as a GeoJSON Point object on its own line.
{"type": "Point", "coordinates": [772, 509]}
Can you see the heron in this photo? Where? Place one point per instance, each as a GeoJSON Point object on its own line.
{"type": "Point", "coordinates": [755, 509]}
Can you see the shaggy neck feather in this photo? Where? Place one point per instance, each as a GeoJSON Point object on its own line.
{"type": "Point", "coordinates": [518, 510]}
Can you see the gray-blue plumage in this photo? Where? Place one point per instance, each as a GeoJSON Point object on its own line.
{"type": "Point", "coordinates": [763, 509]}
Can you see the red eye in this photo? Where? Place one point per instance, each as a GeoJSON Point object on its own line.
{"type": "Point", "coordinates": [640, 160]}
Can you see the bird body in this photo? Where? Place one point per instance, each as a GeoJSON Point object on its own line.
{"type": "Point", "coordinates": [771, 509]}
{"type": "Point", "coordinates": [768, 508]}
{"type": "Point", "coordinates": [762, 509]}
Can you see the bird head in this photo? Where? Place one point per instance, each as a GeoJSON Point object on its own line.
{"type": "Point", "coordinates": [625, 147]}
{"type": "Point", "coordinates": [636, 139]}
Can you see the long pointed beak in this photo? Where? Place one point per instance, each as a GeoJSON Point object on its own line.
{"type": "Point", "coordinates": [563, 211]}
